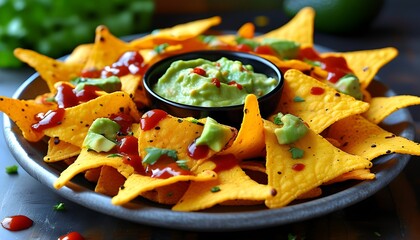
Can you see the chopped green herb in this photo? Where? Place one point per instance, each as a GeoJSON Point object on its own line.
{"type": "Point", "coordinates": [12, 169]}
{"type": "Point", "coordinates": [377, 234]}
{"type": "Point", "coordinates": [313, 63]}
{"type": "Point", "coordinates": [291, 237]}
{"type": "Point", "coordinates": [183, 164]}
{"type": "Point", "coordinates": [277, 119]}
{"type": "Point", "coordinates": [59, 207]}
{"type": "Point", "coordinates": [215, 189]}
{"type": "Point", "coordinates": [298, 99]}
{"type": "Point", "coordinates": [160, 48]}
{"type": "Point", "coordinates": [114, 155]}
{"type": "Point", "coordinates": [153, 154]}
{"type": "Point", "coordinates": [296, 152]}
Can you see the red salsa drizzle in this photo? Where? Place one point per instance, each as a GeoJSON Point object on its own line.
{"type": "Point", "coordinates": [128, 147]}
{"type": "Point", "coordinates": [335, 66]}
{"type": "Point", "coordinates": [130, 62]}
{"type": "Point", "coordinates": [72, 236]}
{"type": "Point", "coordinates": [317, 91]}
{"type": "Point", "coordinates": [65, 97]}
{"type": "Point", "coordinates": [298, 167]}
{"type": "Point", "coordinates": [197, 151]}
{"type": "Point", "coordinates": [225, 162]}
{"type": "Point", "coordinates": [17, 223]}
{"type": "Point", "coordinates": [165, 167]}
{"type": "Point", "coordinates": [151, 118]}
{"type": "Point", "coordinates": [125, 121]}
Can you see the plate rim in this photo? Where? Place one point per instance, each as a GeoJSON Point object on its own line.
{"type": "Point", "coordinates": [202, 220]}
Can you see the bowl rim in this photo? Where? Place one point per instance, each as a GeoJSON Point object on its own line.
{"type": "Point", "coordinates": [227, 53]}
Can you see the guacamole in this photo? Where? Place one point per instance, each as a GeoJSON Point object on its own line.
{"type": "Point", "coordinates": [201, 82]}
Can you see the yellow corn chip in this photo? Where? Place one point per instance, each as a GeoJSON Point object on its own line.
{"type": "Point", "coordinates": [381, 107]}
{"type": "Point", "coordinates": [60, 150]}
{"type": "Point", "coordinates": [313, 193]}
{"type": "Point", "coordinates": [137, 184]}
{"type": "Point", "coordinates": [231, 184]}
{"type": "Point", "coordinates": [109, 181]}
{"type": "Point", "coordinates": [80, 54]}
{"type": "Point", "coordinates": [78, 119]}
{"type": "Point", "coordinates": [22, 113]}
{"type": "Point", "coordinates": [169, 194]}
{"type": "Point", "coordinates": [90, 160]}
{"type": "Point", "coordinates": [358, 174]}
{"type": "Point", "coordinates": [299, 29]}
{"type": "Point", "coordinates": [176, 33]}
{"type": "Point", "coordinates": [247, 30]}
{"type": "Point", "coordinates": [106, 50]}
{"type": "Point", "coordinates": [51, 70]}
{"type": "Point", "coordinates": [320, 163]}
{"type": "Point", "coordinates": [366, 64]}
{"type": "Point", "coordinates": [359, 136]}
{"type": "Point", "coordinates": [318, 110]}
{"type": "Point", "coordinates": [249, 142]}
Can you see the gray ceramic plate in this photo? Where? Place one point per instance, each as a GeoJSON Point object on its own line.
{"type": "Point", "coordinates": [335, 197]}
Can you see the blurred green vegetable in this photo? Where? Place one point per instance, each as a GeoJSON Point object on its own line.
{"type": "Point", "coordinates": [55, 27]}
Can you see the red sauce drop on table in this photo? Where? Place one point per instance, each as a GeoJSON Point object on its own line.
{"type": "Point", "coordinates": [17, 223]}
{"type": "Point", "coordinates": [72, 236]}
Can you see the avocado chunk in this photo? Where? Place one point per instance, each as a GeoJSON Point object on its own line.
{"type": "Point", "coordinates": [98, 142]}
{"type": "Point", "coordinates": [102, 135]}
{"type": "Point", "coordinates": [214, 135]}
{"type": "Point", "coordinates": [110, 84]}
{"type": "Point", "coordinates": [350, 85]}
{"type": "Point", "coordinates": [292, 130]}
{"type": "Point", "coordinates": [286, 49]}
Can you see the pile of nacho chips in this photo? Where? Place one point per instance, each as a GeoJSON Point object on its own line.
{"type": "Point", "coordinates": [252, 168]}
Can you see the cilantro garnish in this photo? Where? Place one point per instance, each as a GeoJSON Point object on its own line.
{"type": "Point", "coordinates": [298, 99]}
{"type": "Point", "coordinates": [59, 207]}
{"type": "Point", "coordinates": [296, 152]}
{"type": "Point", "coordinates": [153, 154]}
{"type": "Point", "coordinates": [183, 164]}
{"type": "Point", "coordinates": [215, 189]}
{"type": "Point", "coordinates": [13, 169]}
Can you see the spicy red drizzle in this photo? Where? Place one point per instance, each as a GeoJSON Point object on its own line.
{"type": "Point", "coordinates": [165, 167]}
{"type": "Point", "coordinates": [124, 120]}
{"type": "Point", "coordinates": [298, 167]}
{"type": "Point", "coordinates": [16, 223]}
{"type": "Point", "coordinates": [128, 147]}
{"type": "Point", "coordinates": [225, 162]}
{"type": "Point", "coordinates": [72, 236]}
{"type": "Point", "coordinates": [335, 66]}
{"type": "Point", "coordinates": [130, 62]}
{"type": "Point", "coordinates": [197, 151]}
{"type": "Point", "coordinates": [151, 118]}
{"type": "Point", "coordinates": [50, 119]}
{"type": "Point", "coordinates": [317, 91]}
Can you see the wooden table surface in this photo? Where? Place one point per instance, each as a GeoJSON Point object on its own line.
{"type": "Point", "coordinates": [391, 213]}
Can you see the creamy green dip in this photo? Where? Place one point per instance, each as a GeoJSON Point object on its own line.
{"type": "Point", "coordinates": [201, 82]}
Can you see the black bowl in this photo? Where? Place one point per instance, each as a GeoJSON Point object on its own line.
{"type": "Point", "coordinates": [230, 115]}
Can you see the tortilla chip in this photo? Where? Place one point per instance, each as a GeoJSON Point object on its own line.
{"type": "Point", "coordinates": [249, 142]}
{"type": "Point", "coordinates": [80, 54]}
{"type": "Point", "coordinates": [359, 136]}
{"type": "Point", "coordinates": [51, 70]}
{"type": "Point", "coordinates": [299, 29]}
{"type": "Point", "coordinates": [109, 181]}
{"type": "Point", "coordinates": [358, 174]}
{"type": "Point", "coordinates": [381, 107]}
{"type": "Point", "coordinates": [60, 150]}
{"type": "Point", "coordinates": [106, 50]}
{"type": "Point", "coordinates": [169, 194]}
{"type": "Point", "coordinates": [318, 111]}
{"type": "Point", "coordinates": [247, 30]}
{"type": "Point", "coordinates": [366, 63]}
{"type": "Point", "coordinates": [22, 113]}
{"type": "Point", "coordinates": [313, 193]}
{"type": "Point", "coordinates": [321, 162]}
{"type": "Point", "coordinates": [136, 184]}
{"type": "Point", "coordinates": [77, 119]}
{"type": "Point", "coordinates": [231, 184]}
{"type": "Point", "coordinates": [90, 160]}
{"type": "Point", "coordinates": [176, 33]}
